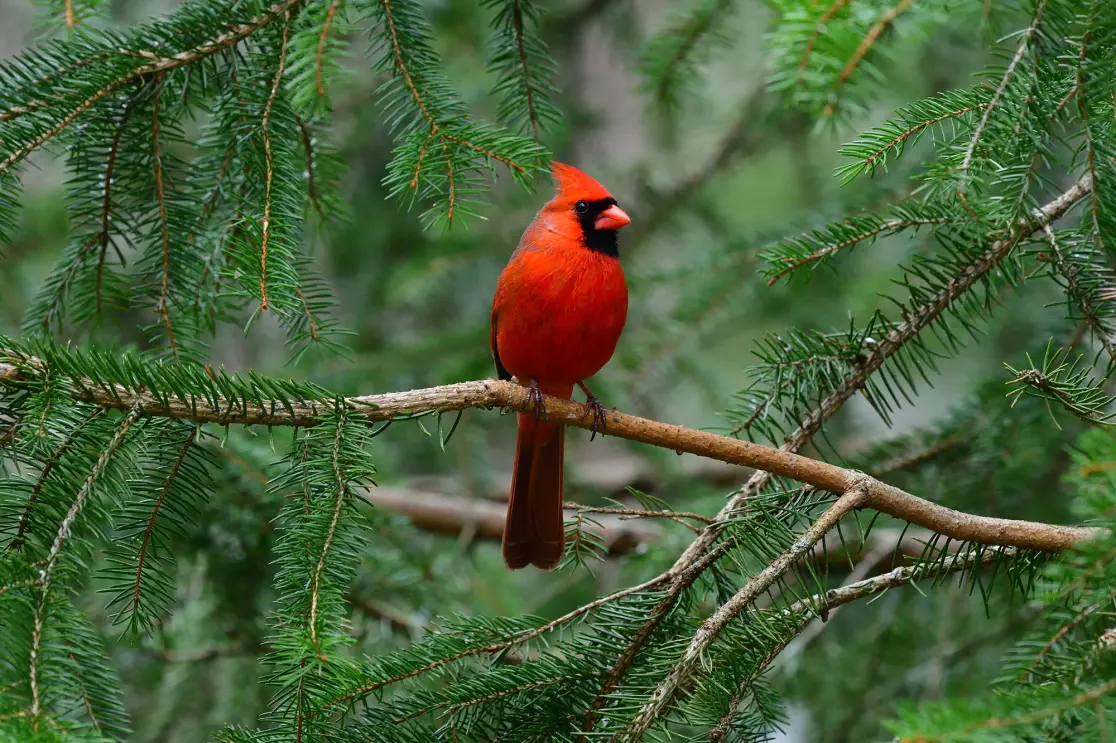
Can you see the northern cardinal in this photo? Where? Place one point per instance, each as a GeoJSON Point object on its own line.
{"type": "Point", "coordinates": [559, 309]}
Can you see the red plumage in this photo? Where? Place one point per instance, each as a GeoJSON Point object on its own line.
{"type": "Point", "coordinates": [559, 309]}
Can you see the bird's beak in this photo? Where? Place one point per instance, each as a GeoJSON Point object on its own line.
{"type": "Point", "coordinates": [612, 218]}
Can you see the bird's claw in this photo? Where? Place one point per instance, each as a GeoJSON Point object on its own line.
{"type": "Point", "coordinates": [594, 408]}
{"type": "Point", "coordinates": [535, 400]}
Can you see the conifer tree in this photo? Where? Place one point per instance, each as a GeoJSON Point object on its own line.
{"type": "Point", "coordinates": [201, 167]}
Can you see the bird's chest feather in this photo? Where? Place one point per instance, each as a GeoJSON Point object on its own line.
{"type": "Point", "coordinates": [559, 314]}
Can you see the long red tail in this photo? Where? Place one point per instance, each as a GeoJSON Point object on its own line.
{"type": "Point", "coordinates": [534, 532]}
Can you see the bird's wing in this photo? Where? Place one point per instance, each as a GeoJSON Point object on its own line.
{"type": "Point", "coordinates": [501, 372]}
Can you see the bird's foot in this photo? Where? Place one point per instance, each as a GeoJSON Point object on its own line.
{"type": "Point", "coordinates": [535, 400]}
{"type": "Point", "coordinates": [595, 409]}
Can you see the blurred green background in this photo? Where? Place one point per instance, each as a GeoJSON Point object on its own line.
{"type": "Point", "coordinates": [707, 183]}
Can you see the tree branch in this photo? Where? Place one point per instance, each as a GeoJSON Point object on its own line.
{"type": "Point", "coordinates": [494, 393]}
{"type": "Point", "coordinates": [447, 514]}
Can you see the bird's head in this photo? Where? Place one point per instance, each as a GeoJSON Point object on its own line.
{"type": "Point", "coordinates": [584, 202]}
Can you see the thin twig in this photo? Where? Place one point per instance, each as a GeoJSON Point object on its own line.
{"type": "Point", "coordinates": [517, 638]}
{"type": "Point", "coordinates": [1075, 290]}
{"type": "Point", "coordinates": [106, 202]}
{"type": "Point", "coordinates": [163, 307]}
{"type": "Point", "coordinates": [885, 20]}
{"type": "Point", "coordinates": [637, 513]}
{"type": "Point", "coordinates": [308, 145]}
{"type": "Point", "coordinates": [265, 225]}
{"type": "Point", "coordinates": [47, 573]}
{"type": "Point", "coordinates": [809, 609]}
{"type": "Point", "coordinates": [149, 530]}
{"type": "Point", "coordinates": [978, 132]}
{"type": "Point", "coordinates": [908, 133]}
{"type": "Point", "coordinates": [517, 23]}
{"type": "Point", "coordinates": [342, 495]}
{"type": "Point", "coordinates": [819, 29]}
{"type": "Point", "coordinates": [320, 57]}
{"type": "Point", "coordinates": [55, 458]}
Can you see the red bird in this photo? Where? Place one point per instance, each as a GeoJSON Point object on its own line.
{"type": "Point", "coordinates": [559, 309]}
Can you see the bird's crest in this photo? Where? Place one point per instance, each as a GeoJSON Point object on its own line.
{"type": "Point", "coordinates": [574, 184]}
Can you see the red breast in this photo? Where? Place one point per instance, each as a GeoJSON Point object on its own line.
{"type": "Point", "coordinates": [562, 300]}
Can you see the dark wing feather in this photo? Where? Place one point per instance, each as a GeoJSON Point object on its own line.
{"type": "Point", "coordinates": [501, 372]}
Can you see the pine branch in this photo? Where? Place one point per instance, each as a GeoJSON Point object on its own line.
{"type": "Point", "coordinates": [155, 65]}
{"type": "Point", "coordinates": [823, 606]}
{"type": "Point", "coordinates": [852, 498]}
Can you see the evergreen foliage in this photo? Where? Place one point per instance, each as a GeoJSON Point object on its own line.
{"type": "Point", "coordinates": [202, 164]}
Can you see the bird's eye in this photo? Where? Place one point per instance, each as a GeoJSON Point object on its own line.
{"type": "Point", "coordinates": [581, 207]}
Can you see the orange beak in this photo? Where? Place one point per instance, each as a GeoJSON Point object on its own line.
{"type": "Point", "coordinates": [612, 218]}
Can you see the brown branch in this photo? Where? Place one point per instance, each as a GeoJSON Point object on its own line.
{"type": "Point", "coordinates": [149, 530]}
{"type": "Point", "coordinates": [157, 64]}
{"type": "Point", "coordinates": [307, 144]}
{"type": "Point", "coordinates": [319, 58]}
{"type": "Point", "coordinates": [446, 514]}
{"type": "Point", "coordinates": [265, 225]}
{"type": "Point", "coordinates": [881, 24]}
{"type": "Point", "coordinates": [495, 393]}
{"type": "Point", "coordinates": [71, 19]}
